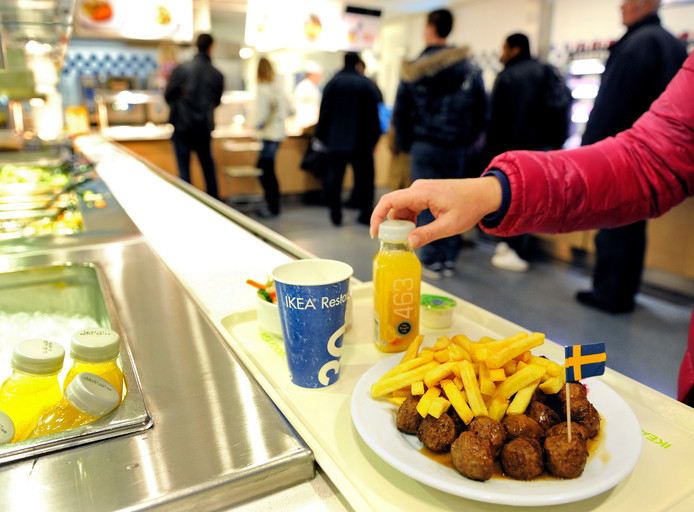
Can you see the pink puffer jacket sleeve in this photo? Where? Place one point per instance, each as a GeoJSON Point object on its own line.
{"type": "Point", "coordinates": [640, 173]}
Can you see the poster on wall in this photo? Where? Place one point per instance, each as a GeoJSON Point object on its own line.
{"type": "Point", "coordinates": [170, 20]}
{"type": "Point", "coordinates": [309, 24]}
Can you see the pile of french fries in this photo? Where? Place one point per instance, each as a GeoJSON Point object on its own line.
{"type": "Point", "coordinates": [477, 378]}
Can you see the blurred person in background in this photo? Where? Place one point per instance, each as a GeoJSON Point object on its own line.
{"type": "Point", "coordinates": [639, 67]}
{"type": "Point", "coordinates": [517, 121]}
{"type": "Point", "coordinates": [349, 128]}
{"type": "Point", "coordinates": [307, 96]}
{"type": "Point", "coordinates": [440, 109]}
{"type": "Point", "coordinates": [272, 108]}
{"type": "Point", "coordinates": [640, 173]}
{"type": "Point", "coordinates": [193, 91]}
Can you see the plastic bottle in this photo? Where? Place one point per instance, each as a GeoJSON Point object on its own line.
{"type": "Point", "coordinates": [96, 351]}
{"type": "Point", "coordinates": [6, 428]}
{"type": "Point", "coordinates": [397, 275]}
{"type": "Point", "coordinates": [33, 385]}
{"type": "Point", "coordinates": [87, 398]}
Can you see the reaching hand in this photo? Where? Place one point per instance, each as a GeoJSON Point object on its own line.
{"type": "Point", "coordinates": [457, 205]}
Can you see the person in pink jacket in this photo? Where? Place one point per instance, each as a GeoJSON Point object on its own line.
{"type": "Point", "coordinates": [641, 173]}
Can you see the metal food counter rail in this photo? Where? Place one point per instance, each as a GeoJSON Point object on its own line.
{"type": "Point", "coordinates": [213, 438]}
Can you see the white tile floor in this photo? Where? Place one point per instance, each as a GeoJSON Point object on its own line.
{"type": "Point", "coordinates": [646, 345]}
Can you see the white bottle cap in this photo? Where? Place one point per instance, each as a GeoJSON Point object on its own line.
{"type": "Point", "coordinates": [95, 345]}
{"type": "Point", "coordinates": [41, 357]}
{"type": "Point", "coordinates": [92, 395]}
{"type": "Point", "coordinates": [395, 230]}
{"type": "Point", "coordinates": [6, 428]}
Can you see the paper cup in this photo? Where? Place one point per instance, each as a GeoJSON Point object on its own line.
{"type": "Point", "coordinates": [312, 299]}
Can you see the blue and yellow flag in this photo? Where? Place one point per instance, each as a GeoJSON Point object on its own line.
{"type": "Point", "coordinates": [583, 361]}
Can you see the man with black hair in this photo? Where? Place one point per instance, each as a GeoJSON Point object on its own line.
{"type": "Point", "coordinates": [348, 125]}
{"type": "Point", "coordinates": [439, 110]}
{"type": "Point", "coordinates": [193, 91]}
{"type": "Point", "coordinates": [516, 122]}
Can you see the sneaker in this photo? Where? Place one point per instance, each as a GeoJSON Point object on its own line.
{"type": "Point", "coordinates": [508, 259]}
{"type": "Point", "coordinates": [433, 271]}
{"type": "Point", "coordinates": [448, 268]}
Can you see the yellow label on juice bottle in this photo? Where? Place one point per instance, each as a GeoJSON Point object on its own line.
{"type": "Point", "coordinates": [396, 279]}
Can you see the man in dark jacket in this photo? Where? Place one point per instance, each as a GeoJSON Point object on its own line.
{"type": "Point", "coordinates": [348, 125]}
{"type": "Point", "coordinates": [439, 110]}
{"type": "Point", "coordinates": [516, 122]}
{"type": "Point", "coordinates": [639, 67]}
{"type": "Point", "coordinates": [193, 92]}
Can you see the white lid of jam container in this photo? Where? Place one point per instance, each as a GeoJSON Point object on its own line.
{"type": "Point", "coordinates": [6, 428]}
{"type": "Point", "coordinates": [95, 345]}
{"type": "Point", "coordinates": [91, 394]}
{"type": "Point", "coordinates": [40, 357]}
{"type": "Point", "coordinates": [395, 230]}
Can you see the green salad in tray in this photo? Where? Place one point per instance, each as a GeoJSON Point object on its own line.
{"type": "Point", "coordinates": [11, 174]}
{"type": "Point", "coordinates": [266, 291]}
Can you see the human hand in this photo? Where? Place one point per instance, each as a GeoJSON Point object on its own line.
{"type": "Point", "coordinates": [457, 206]}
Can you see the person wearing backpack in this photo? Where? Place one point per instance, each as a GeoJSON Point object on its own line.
{"type": "Point", "coordinates": [530, 109]}
{"type": "Point", "coordinates": [440, 109]}
{"type": "Point", "coordinates": [193, 91]}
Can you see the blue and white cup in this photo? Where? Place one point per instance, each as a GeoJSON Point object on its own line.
{"type": "Point", "coordinates": [312, 298]}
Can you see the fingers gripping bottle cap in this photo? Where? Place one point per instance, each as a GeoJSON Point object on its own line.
{"type": "Point", "coordinates": [6, 428]}
{"type": "Point", "coordinates": [395, 230]}
{"type": "Point", "coordinates": [92, 395]}
{"type": "Point", "coordinates": [95, 345]}
{"type": "Point", "coordinates": [39, 357]}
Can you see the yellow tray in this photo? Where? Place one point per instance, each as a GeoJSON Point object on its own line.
{"type": "Point", "coordinates": [661, 479]}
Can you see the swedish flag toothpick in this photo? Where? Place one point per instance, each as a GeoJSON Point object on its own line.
{"type": "Point", "coordinates": [583, 361]}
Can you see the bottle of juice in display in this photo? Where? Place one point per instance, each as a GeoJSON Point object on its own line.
{"type": "Point", "coordinates": [96, 351]}
{"type": "Point", "coordinates": [397, 275]}
{"type": "Point", "coordinates": [33, 385]}
{"type": "Point", "coordinates": [6, 428]}
{"type": "Point", "coordinates": [87, 398]}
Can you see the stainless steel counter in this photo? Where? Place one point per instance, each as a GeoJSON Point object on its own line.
{"type": "Point", "coordinates": [216, 439]}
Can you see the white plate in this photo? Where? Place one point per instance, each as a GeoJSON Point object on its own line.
{"type": "Point", "coordinates": [616, 455]}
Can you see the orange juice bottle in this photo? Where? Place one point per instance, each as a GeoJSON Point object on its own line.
{"type": "Point", "coordinates": [96, 351]}
{"type": "Point", "coordinates": [397, 275]}
{"type": "Point", "coordinates": [87, 398]}
{"type": "Point", "coordinates": [33, 385]}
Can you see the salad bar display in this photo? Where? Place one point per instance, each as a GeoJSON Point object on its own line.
{"type": "Point", "coordinates": [41, 199]}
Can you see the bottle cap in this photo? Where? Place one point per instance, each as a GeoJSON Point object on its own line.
{"type": "Point", "coordinates": [41, 357]}
{"type": "Point", "coordinates": [395, 230]}
{"type": "Point", "coordinates": [6, 428]}
{"type": "Point", "coordinates": [91, 394]}
{"type": "Point", "coordinates": [95, 345]}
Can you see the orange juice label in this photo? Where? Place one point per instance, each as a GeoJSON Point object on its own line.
{"type": "Point", "coordinates": [397, 277]}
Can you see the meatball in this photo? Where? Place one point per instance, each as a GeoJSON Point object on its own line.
{"type": "Point", "coordinates": [560, 430]}
{"type": "Point", "coordinates": [437, 434]}
{"type": "Point", "coordinates": [520, 425]}
{"type": "Point", "coordinates": [577, 391]}
{"type": "Point", "coordinates": [459, 423]}
{"type": "Point", "coordinates": [489, 429]}
{"type": "Point", "coordinates": [543, 414]}
{"type": "Point", "coordinates": [521, 458]}
{"type": "Point", "coordinates": [565, 459]}
{"type": "Point", "coordinates": [473, 456]}
{"type": "Point", "coordinates": [584, 413]}
{"type": "Point", "coordinates": [407, 418]}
